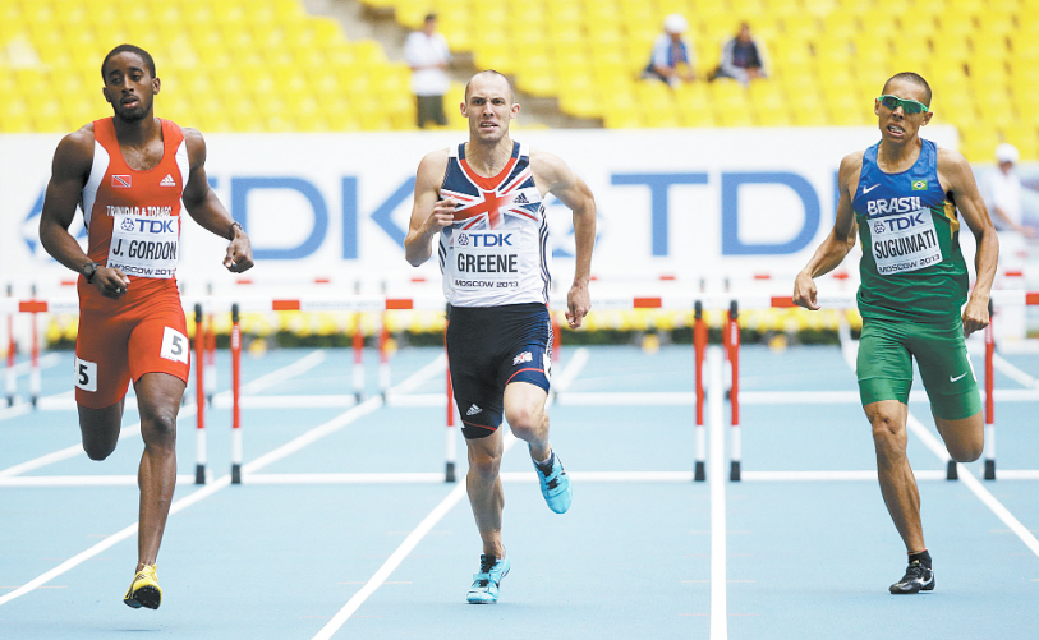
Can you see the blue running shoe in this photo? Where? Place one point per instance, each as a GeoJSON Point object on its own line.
{"type": "Point", "coordinates": [488, 581]}
{"type": "Point", "coordinates": [555, 486]}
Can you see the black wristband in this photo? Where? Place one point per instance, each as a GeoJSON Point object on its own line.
{"type": "Point", "coordinates": [236, 224]}
{"type": "Point", "coordinates": [93, 271]}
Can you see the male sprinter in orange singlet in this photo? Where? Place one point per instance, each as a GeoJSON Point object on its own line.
{"type": "Point", "coordinates": [484, 198]}
{"type": "Point", "coordinates": [130, 173]}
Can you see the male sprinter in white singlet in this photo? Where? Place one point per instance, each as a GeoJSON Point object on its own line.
{"type": "Point", "coordinates": [484, 197]}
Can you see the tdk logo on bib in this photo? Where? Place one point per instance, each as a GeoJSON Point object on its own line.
{"type": "Point", "coordinates": [888, 206]}
{"type": "Point", "coordinates": [485, 239]}
{"type": "Point", "coordinates": [145, 225]}
{"type": "Point", "coordinates": [898, 223]}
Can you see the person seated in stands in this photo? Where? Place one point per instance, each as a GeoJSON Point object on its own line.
{"type": "Point", "coordinates": [673, 58]}
{"type": "Point", "coordinates": [744, 57]}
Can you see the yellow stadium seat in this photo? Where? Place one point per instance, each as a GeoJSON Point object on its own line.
{"type": "Point", "coordinates": [833, 49]}
{"type": "Point", "coordinates": [584, 104]}
{"type": "Point", "coordinates": [491, 15]}
{"type": "Point", "coordinates": [342, 119]}
{"type": "Point", "coordinates": [996, 20]}
{"type": "Point", "coordinates": [956, 24]}
{"type": "Point", "coordinates": [977, 144]}
{"type": "Point", "coordinates": [910, 51]}
{"type": "Point", "coordinates": [411, 15]}
{"type": "Point", "coordinates": [661, 119]}
{"type": "Point", "coordinates": [774, 117]}
{"type": "Point", "coordinates": [879, 21]}
{"type": "Point", "coordinates": [374, 121]}
{"type": "Point", "coordinates": [800, 29]}
{"type": "Point", "coordinates": [1025, 138]}
{"type": "Point", "coordinates": [540, 83]}
{"type": "Point", "coordinates": [843, 24]}
{"type": "Point", "coordinates": [458, 36]}
{"type": "Point", "coordinates": [746, 9]}
{"type": "Point", "coordinates": [779, 9]}
{"type": "Point", "coordinates": [621, 118]}
{"type": "Point", "coordinates": [728, 95]}
{"type": "Point", "coordinates": [790, 51]}
{"type": "Point", "coordinates": [820, 8]}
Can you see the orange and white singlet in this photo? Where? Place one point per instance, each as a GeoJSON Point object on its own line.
{"type": "Point", "coordinates": [133, 217]}
{"type": "Point", "coordinates": [133, 223]}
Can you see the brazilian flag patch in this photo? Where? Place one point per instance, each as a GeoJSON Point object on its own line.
{"type": "Point", "coordinates": [919, 185]}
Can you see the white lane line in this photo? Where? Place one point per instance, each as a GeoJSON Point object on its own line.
{"type": "Point", "coordinates": [391, 564]}
{"type": "Point", "coordinates": [1012, 372]}
{"type": "Point", "coordinates": [275, 377]}
{"type": "Point", "coordinates": [109, 480]}
{"type": "Point", "coordinates": [398, 556]}
{"type": "Point", "coordinates": [108, 542]}
{"type": "Point", "coordinates": [572, 370]}
{"type": "Point", "coordinates": [983, 494]}
{"type": "Point", "coordinates": [716, 479]}
{"type": "Point", "coordinates": [406, 547]}
{"type": "Point", "coordinates": [46, 362]}
{"type": "Point", "coordinates": [519, 477]}
{"type": "Point", "coordinates": [205, 492]}
{"type": "Point", "coordinates": [829, 476]}
{"type": "Point", "coordinates": [371, 404]}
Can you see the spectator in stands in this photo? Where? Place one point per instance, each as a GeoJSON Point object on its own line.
{"type": "Point", "coordinates": [1005, 192]}
{"type": "Point", "coordinates": [428, 55]}
{"type": "Point", "coordinates": [744, 57]}
{"type": "Point", "coordinates": [673, 58]}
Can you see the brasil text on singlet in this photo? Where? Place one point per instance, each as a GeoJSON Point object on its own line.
{"type": "Point", "coordinates": [496, 252]}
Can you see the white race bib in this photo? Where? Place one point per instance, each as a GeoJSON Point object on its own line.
{"type": "Point", "coordinates": [905, 242]}
{"type": "Point", "coordinates": [485, 261]}
{"type": "Point", "coordinates": [145, 246]}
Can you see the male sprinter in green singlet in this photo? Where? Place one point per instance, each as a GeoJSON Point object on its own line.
{"type": "Point", "coordinates": [902, 194]}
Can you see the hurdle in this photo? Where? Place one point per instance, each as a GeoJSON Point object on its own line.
{"type": "Point", "coordinates": [990, 405]}
{"type": "Point", "coordinates": [357, 305]}
{"type": "Point", "coordinates": [11, 381]}
{"type": "Point", "coordinates": [200, 398]}
{"type": "Point", "coordinates": [209, 358]}
{"type": "Point", "coordinates": [449, 457]}
{"type": "Point", "coordinates": [732, 351]}
{"type": "Point", "coordinates": [384, 357]}
{"type": "Point", "coordinates": [35, 376]}
{"type": "Point", "coordinates": [699, 351]}
{"type": "Point", "coordinates": [236, 395]}
{"type": "Point", "coordinates": [358, 346]}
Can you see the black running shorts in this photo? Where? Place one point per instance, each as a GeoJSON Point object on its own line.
{"type": "Point", "coordinates": [490, 347]}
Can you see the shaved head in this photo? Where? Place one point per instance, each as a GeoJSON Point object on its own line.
{"type": "Point", "coordinates": [915, 78]}
{"type": "Point", "coordinates": [488, 74]}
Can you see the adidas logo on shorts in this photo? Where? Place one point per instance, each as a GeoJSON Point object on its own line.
{"type": "Point", "coordinates": [168, 181]}
{"type": "Point", "coordinates": [473, 410]}
{"type": "Point", "coordinates": [522, 199]}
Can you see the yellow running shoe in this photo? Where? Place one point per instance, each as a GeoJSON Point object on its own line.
{"type": "Point", "coordinates": [144, 591]}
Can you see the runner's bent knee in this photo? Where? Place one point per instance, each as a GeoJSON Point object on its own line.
{"type": "Point", "coordinates": [484, 460]}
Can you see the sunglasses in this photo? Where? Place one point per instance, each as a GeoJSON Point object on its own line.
{"type": "Point", "coordinates": [909, 107]}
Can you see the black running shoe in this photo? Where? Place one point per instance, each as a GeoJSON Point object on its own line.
{"type": "Point", "coordinates": [917, 578]}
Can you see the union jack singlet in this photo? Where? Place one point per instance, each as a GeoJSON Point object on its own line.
{"type": "Point", "coordinates": [496, 252]}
